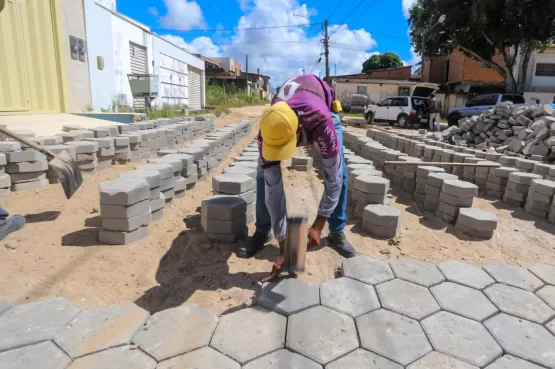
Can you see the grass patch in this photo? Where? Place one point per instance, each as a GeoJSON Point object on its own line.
{"type": "Point", "coordinates": [222, 98]}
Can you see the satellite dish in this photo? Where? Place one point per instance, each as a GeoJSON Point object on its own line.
{"type": "Point", "coordinates": [442, 18]}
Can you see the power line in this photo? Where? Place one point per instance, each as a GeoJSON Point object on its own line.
{"type": "Point", "coordinates": [334, 10]}
{"type": "Point", "coordinates": [352, 12]}
{"type": "Point", "coordinates": [344, 22]}
{"type": "Point", "coordinates": [271, 43]}
{"type": "Point", "coordinates": [348, 48]}
{"type": "Point", "coordinates": [247, 29]}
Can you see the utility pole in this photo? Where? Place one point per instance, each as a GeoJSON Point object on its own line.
{"type": "Point", "coordinates": [327, 50]}
{"type": "Point", "coordinates": [335, 70]}
{"type": "Point", "coordinates": [303, 70]}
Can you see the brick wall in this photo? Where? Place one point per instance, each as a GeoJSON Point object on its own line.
{"type": "Point", "coordinates": [461, 68]}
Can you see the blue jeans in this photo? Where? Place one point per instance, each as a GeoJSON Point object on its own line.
{"type": "Point", "coordinates": [337, 219]}
{"type": "Point", "coordinates": [9, 224]}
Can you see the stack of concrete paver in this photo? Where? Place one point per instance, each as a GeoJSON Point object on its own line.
{"type": "Point", "coordinates": [476, 222]}
{"type": "Point", "coordinates": [381, 221]}
{"type": "Point", "coordinates": [422, 174]}
{"type": "Point", "coordinates": [154, 180]}
{"type": "Point", "coordinates": [5, 179]}
{"type": "Point", "coordinates": [527, 131]}
{"type": "Point", "coordinates": [167, 177]}
{"type": "Point", "coordinates": [540, 197]}
{"type": "Point", "coordinates": [224, 218]}
{"type": "Point", "coordinates": [27, 169]}
{"type": "Point", "coordinates": [455, 194]}
{"type": "Point", "coordinates": [187, 170]}
{"type": "Point", "coordinates": [369, 190]}
{"type": "Point", "coordinates": [497, 181]}
{"type": "Point", "coordinates": [301, 163]}
{"type": "Point", "coordinates": [525, 165]}
{"type": "Point", "coordinates": [434, 184]}
{"type": "Point", "coordinates": [85, 155]}
{"type": "Point", "coordinates": [106, 150]}
{"type": "Point", "coordinates": [469, 173]}
{"type": "Point", "coordinates": [481, 175]}
{"type": "Point", "coordinates": [122, 151]}
{"type": "Point", "coordinates": [409, 173]}
{"type": "Point", "coordinates": [238, 185]}
{"type": "Point", "coordinates": [517, 188]}
{"type": "Point", "coordinates": [124, 210]}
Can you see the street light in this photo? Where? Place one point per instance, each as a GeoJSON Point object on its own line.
{"type": "Point", "coordinates": [302, 16]}
{"type": "Point", "coordinates": [441, 20]}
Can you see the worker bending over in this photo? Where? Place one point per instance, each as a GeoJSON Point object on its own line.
{"type": "Point", "coordinates": [301, 114]}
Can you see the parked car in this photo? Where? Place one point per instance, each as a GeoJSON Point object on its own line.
{"type": "Point", "coordinates": [481, 104]}
{"type": "Point", "coordinates": [406, 111]}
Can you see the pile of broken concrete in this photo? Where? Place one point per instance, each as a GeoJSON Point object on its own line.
{"type": "Point", "coordinates": [517, 131]}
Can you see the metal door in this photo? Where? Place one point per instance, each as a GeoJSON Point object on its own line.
{"type": "Point", "coordinates": [138, 57]}
{"type": "Point", "coordinates": [195, 93]}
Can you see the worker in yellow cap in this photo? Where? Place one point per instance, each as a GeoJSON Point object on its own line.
{"type": "Point", "coordinates": [302, 113]}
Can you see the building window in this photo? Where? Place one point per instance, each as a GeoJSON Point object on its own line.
{"type": "Point", "coordinates": [545, 70]}
{"type": "Point", "coordinates": [404, 91]}
{"type": "Point", "coordinates": [361, 90]}
{"type": "Point", "coordinates": [484, 65]}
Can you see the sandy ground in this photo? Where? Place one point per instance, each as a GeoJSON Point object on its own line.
{"type": "Point", "coordinates": [58, 254]}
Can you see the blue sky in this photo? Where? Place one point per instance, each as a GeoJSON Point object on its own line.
{"type": "Point", "coordinates": [358, 29]}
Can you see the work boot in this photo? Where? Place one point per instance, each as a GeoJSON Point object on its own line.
{"type": "Point", "coordinates": [10, 225]}
{"type": "Point", "coordinates": [341, 244]}
{"type": "Point", "coordinates": [254, 244]}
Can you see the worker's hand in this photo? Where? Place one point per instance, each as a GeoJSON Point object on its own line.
{"type": "Point", "coordinates": [276, 268]}
{"type": "Point", "coordinates": [315, 232]}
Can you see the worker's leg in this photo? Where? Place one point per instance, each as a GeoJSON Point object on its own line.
{"type": "Point", "coordinates": [338, 218]}
{"type": "Point", "coordinates": [263, 221]}
{"type": "Point", "coordinates": [438, 122]}
{"type": "Point", "coordinates": [9, 224]}
{"type": "Point", "coordinates": [431, 122]}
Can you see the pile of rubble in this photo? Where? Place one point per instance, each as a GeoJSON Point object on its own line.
{"type": "Point", "coordinates": [524, 131]}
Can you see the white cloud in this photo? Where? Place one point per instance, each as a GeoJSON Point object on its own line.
{"type": "Point", "coordinates": [182, 15]}
{"type": "Point", "coordinates": [407, 4]}
{"type": "Point", "coordinates": [200, 45]}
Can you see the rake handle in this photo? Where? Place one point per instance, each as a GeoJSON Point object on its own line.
{"type": "Point", "coordinates": [30, 143]}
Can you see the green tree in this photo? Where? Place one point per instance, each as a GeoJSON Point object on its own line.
{"type": "Point", "coordinates": [381, 61]}
{"type": "Point", "coordinates": [482, 29]}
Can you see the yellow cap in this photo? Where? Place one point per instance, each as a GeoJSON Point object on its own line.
{"type": "Point", "coordinates": [278, 127]}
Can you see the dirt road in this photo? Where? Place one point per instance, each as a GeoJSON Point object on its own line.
{"type": "Point", "coordinates": [57, 253]}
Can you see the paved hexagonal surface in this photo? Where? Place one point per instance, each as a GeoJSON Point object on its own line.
{"type": "Point", "coordinates": [44, 355]}
{"type": "Point", "coordinates": [249, 333]}
{"type": "Point", "coordinates": [551, 326]}
{"type": "Point", "coordinates": [545, 272]}
{"type": "Point", "coordinates": [101, 328]}
{"type": "Point", "coordinates": [367, 269]}
{"type": "Point", "coordinates": [520, 303]}
{"type": "Point", "coordinates": [26, 324]}
{"type": "Point", "coordinates": [547, 294]}
{"type": "Point", "coordinates": [289, 296]}
{"type": "Point", "coordinates": [349, 296]}
{"type": "Point", "coordinates": [119, 357]}
{"type": "Point", "coordinates": [513, 275]}
{"type": "Point", "coordinates": [204, 358]}
{"type": "Point", "coordinates": [461, 338]}
{"type": "Point", "coordinates": [407, 298]}
{"type": "Point", "coordinates": [321, 334]}
{"type": "Point", "coordinates": [462, 300]}
{"type": "Point", "coordinates": [437, 360]}
{"type": "Point", "coordinates": [511, 362]}
{"type": "Point", "coordinates": [392, 335]}
{"type": "Point", "coordinates": [282, 359]}
{"type": "Point", "coordinates": [362, 359]}
{"type": "Point", "coordinates": [417, 271]}
{"type": "Point", "coordinates": [527, 340]}
{"type": "Point", "coordinates": [176, 331]}
{"type": "Point", "coordinates": [465, 274]}
{"type": "Point", "coordinates": [4, 306]}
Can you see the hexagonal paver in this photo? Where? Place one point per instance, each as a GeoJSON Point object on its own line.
{"type": "Point", "coordinates": [436, 360]}
{"type": "Point", "coordinates": [465, 274]}
{"type": "Point", "coordinates": [551, 326]}
{"type": "Point", "coordinates": [461, 338]}
{"type": "Point", "coordinates": [520, 303]}
{"type": "Point", "coordinates": [321, 334]}
{"type": "Point", "coordinates": [44, 355]}
{"type": "Point", "coordinates": [462, 300]}
{"type": "Point", "coordinates": [367, 269]}
{"type": "Point", "coordinates": [232, 184]}
{"type": "Point", "coordinates": [119, 357]}
{"type": "Point", "coordinates": [407, 298]}
{"type": "Point", "coordinates": [392, 335]}
{"type": "Point", "coordinates": [101, 328]}
{"type": "Point", "coordinates": [176, 331]}
{"type": "Point", "coordinates": [417, 271]}
{"type": "Point", "coordinates": [547, 294]}
{"type": "Point", "coordinates": [204, 358]}
{"type": "Point", "coordinates": [513, 276]}
{"type": "Point", "coordinates": [289, 296]}
{"type": "Point", "coordinates": [511, 362]}
{"type": "Point", "coordinates": [249, 333]}
{"type": "Point", "coordinates": [524, 339]}
{"type": "Point", "coordinates": [349, 296]}
{"type": "Point", "coordinates": [26, 324]}
{"type": "Point", "coordinates": [362, 359]}
{"type": "Point", "coordinates": [545, 272]}
{"type": "Point", "coordinates": [282, 359]}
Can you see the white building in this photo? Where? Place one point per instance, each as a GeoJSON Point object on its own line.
{"type": "Point", "coordinates": [118, 46]}
{"type": "Point", "coordinates": [540, 76]}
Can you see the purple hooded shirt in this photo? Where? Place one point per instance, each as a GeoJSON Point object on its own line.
{"type": "Point", "coordinates": [311, 99]}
